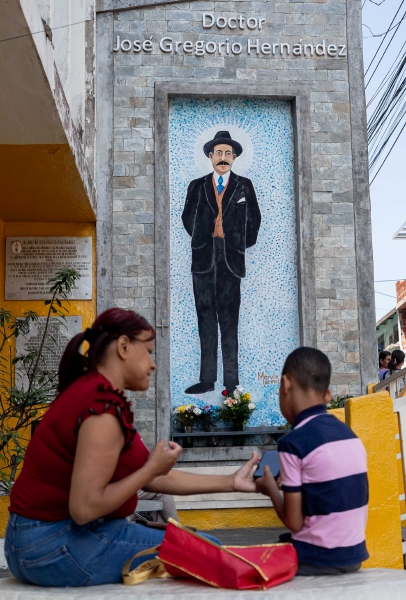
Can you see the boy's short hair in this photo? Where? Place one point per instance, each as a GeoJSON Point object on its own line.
{"type": "Point", "coordinates": [310, 368]}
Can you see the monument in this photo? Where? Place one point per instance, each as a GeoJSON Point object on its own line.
{"type": "Point", "coordinates": [280, 86]}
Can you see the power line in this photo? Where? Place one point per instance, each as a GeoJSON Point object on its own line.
{"type": "Point", "coordinates": [386, 280]}
{"type": "Point", "coordinates": [373, 58]}
{"type": "Point", "coordinates": [382, 294]}
{"type": "Point", "coordinates": [16, 37]}
{"type": "Point", "coordinates": [384, 32]}
{"type": "Point", "coordinates": [387, 76]}
{"type": "Point", "coordinates": [389, 43]}
{"type": "Point", "coordinates": [387, 119]}
{"type": "Point", "coordinates": [391, 148]}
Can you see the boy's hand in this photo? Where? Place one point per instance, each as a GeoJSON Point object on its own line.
{"type": "Point", "coordinates": [243, 480]}
{"type": "Point", "coordinates": [265, 483]}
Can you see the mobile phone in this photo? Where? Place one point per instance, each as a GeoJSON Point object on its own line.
{"type": "Point", "coordinates": [271, 459]}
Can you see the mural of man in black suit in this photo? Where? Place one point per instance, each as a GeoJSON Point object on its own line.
{"type": "Point", "coordinates": [222, 216]}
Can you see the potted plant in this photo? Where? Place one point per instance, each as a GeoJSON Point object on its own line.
{"type": "Point", "coordinates": [27, 385]}
{"type": "Point", "coordinates": [185, 416]}
{"type": "Point", "coordinates": [237, 408]}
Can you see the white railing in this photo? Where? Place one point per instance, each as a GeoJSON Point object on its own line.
{"type": "Point", "coordinates": [394, 384]}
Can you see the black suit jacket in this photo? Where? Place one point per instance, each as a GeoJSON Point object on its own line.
{"type": "Point", "coordinates": [241, 221]}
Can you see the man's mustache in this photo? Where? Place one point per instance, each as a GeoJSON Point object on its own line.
{"type": "Point", "coordinates": [223, 162]}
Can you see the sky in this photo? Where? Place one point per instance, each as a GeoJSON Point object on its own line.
{"type": "Point", "coordinates": [388, 201]}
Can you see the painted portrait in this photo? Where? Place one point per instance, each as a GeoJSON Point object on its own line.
{"type": "Point", "coordinates": [233, 271]}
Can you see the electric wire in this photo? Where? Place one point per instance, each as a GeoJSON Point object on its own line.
{"type": "Point", "coordinates": [16, 37]}
{"type": "Point", "coordinates": [384, 80]}
{"type": "Point", "coordinates": [379, 47]}
{"type": "Point", "coordinates": [383, 32]}
{"type": "Point", "coordinates": [382, 294]}
{"type": "Point", "coordinates": [384, 52]}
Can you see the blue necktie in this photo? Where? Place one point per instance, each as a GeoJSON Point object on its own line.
{"type": "Point", "coordinates": [220, 186]}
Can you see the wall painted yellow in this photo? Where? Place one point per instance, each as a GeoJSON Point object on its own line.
{"type": "Point", "coordinates": [399, 462]}
{"type": "Point", "coordinates": [85, 308]}
{"type": "Point", "coordinates": [339, 413]}
{"type": "Point", "coordinates": [41, 182]}
{"type": "Point", "coordinates": [4, 504]}
{"type": "Point", "coordinates": [230, 518]}
{"type": "Point", "coordinates": [371, 418]}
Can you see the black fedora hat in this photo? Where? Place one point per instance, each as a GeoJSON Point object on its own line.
{"type": "Point", "coordinates": [222, 137]}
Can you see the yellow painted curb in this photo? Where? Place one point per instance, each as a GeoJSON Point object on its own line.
{"type": "Point", "coordinates": [230, 518]}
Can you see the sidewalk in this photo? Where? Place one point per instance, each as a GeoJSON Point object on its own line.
{"type": "Point", "coordinates": [371, 584]}
{"type": "Point", "coordinates": [374, 584]}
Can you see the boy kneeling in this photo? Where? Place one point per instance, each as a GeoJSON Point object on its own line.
{"type": "Point", "coordinates": [323, 472]}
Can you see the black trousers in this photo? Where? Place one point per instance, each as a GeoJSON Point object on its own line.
{"type": "Point", "coordinates": [217, 300]}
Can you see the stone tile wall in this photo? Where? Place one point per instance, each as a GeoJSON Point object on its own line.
{"type": "Point", "coordinates": [134, 78]}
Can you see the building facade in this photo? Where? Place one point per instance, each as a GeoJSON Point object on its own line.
{"type": "Point", "coordinates": [170, 74]}
{"type": "Point", "coordinates": [109, 131]}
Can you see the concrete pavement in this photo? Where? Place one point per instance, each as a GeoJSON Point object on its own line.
{"type": "Point", "coordinates": [373, 584]}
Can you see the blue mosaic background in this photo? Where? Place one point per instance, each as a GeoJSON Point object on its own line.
{"type": "Point", "coordinates": [269, 324]}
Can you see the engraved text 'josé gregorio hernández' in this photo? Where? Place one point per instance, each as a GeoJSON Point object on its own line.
{"type": "Point", "coordinates": [240, 25]}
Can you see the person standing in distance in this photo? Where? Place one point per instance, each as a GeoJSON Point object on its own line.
{"type": "Point", "coordinates": [222, 217]}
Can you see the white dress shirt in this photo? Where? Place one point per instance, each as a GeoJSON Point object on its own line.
{"type": "Point", "coordinates": [225, 177]}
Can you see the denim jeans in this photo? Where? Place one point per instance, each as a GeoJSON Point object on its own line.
{"type": "Point", "coordinates": [64, 554]}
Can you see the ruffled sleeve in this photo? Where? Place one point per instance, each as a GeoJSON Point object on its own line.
{"type": "Point", "coordinates": [111, 401]}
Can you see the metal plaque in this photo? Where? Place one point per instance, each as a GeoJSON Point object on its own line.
{"type": "Point", "coordinates": [32, 261]}
{"type": "Point", "coordinates": [60, 332]}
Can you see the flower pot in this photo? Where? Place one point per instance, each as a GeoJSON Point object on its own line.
{"type": "Point", "coordinates": [188, 441]}
{"type": "Point", "coordinates": [213, 440]}
{"type": "Point", "coordinates": [238, 426]}
{"type": "Point", "coordinates": [238, 440]}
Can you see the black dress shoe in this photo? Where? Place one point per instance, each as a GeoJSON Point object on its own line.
{"type": "Point", "coordinates": [200, 388]}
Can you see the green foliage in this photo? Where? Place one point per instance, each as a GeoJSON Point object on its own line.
{"type": "Point", "coordinates": [338, 401]}
{"type": "Point", "coordinates": [237, 408]}
{"type": "Point", "coordinates": [27, 386]}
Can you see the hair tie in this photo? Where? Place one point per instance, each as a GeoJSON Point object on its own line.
{"type": "Point", "coordinates": [91, 335]}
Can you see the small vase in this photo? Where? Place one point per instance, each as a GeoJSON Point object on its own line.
{"type": "Point", "coordinates": [213, 440]}
{"type": "Point", "coordinates": [238, 440]}
{"type": "Point", "coordinates": [238, 426]}
{"type": "Point", "coordinates": [188, 441]}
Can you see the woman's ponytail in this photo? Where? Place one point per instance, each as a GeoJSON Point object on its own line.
{"type": "Point", "coordinates": [73, 364]}
{"type": "Point", "coordinates": [109, 326]}
{"type": "Point", "coordinates": [398, 358]}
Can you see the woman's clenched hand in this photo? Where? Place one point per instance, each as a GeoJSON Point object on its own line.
{"type": "Point", "coordinates": [163, 457]}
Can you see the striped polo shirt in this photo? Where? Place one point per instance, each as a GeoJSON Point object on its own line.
{"type": "Point", "coordinates": [322, 458]}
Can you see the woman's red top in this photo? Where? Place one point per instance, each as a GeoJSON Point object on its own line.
{"type": "Point", "coordinates": [41, 491]}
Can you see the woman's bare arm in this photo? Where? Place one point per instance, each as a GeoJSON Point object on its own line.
{"type": "Point", "coordinates": [182, 484]}
{"type": "Point", "coordinates": [100, 441]}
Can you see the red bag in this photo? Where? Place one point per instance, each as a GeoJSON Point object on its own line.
{"type": "Point", "coordinates": [187, 554]}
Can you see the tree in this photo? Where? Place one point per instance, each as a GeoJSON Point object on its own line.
{"type": "Point", "coordinates": [27, 385]}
